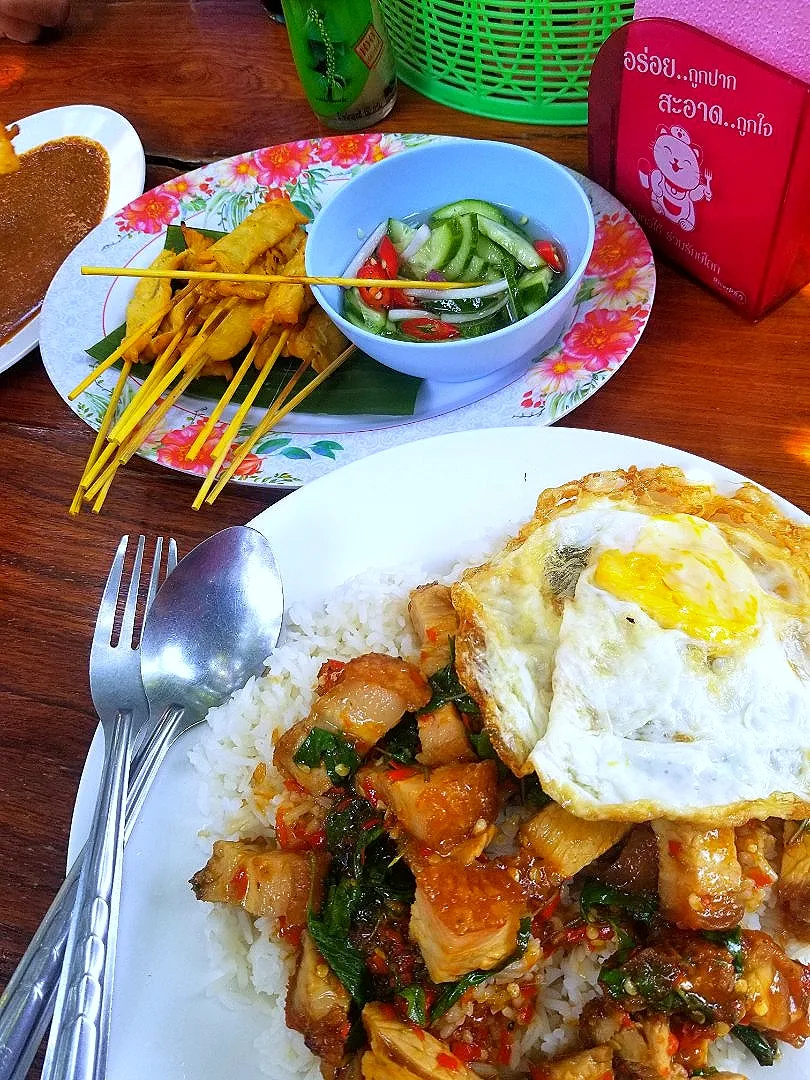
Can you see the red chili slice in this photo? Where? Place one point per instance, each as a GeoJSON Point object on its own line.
{"type": "Point", "coordinates": [424, 329]}
{"type": "Point", "coordinates": [376, 296]}
{"type": "Point", "coordinates": [552, 255]}
{"type": "Point", "coordinates": [387, 254]}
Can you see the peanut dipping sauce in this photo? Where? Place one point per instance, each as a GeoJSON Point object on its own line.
{"type": "Point", "coordinates": [46, 207]}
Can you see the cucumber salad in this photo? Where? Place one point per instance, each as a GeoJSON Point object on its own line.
{"type": "Point", "coordinates": [511, 275]}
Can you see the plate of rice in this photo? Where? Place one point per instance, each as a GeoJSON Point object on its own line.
{"type": "Point", "coordinates": [201, 988]}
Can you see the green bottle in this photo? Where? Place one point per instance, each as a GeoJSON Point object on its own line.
{"type": "Point", "coordinates": [344, 60]}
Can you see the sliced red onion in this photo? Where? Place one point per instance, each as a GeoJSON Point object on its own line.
{"type": "Point", "coordinates": [435, 275]}
{"type": "Point", "coordinates": [366, 250]}
{"type": "Point", "coordinates": [472, 316]}
{"type": "Point", "coordinates": [492, 288]}
{"type": "Point", "coordinates": [399, 314]}
{"type": "Point", "coordinates": [420, 237]}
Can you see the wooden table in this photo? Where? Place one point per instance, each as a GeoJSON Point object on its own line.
{"type": "Point", "coordinates": [201, 80]}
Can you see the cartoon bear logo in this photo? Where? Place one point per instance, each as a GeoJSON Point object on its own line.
{"type": "Point", "coordinates": [676, 181]}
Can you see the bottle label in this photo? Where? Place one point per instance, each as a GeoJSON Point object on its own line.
{"type": "Point", "coordinates": [343, 58]}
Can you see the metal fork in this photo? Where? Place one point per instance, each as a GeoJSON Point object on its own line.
{"type": "Point", "coordinates": [77, 1045]}
{"type": "Point", "coordinates": [27, 1003]}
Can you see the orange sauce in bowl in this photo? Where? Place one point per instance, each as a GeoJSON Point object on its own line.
{"type": "Point", "coordinates": [46, 207]}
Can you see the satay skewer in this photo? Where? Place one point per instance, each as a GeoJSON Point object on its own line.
{"type": "Point", "coordinates": [276, 279]}
{"type": "Point", "coordinates": [272, 417]}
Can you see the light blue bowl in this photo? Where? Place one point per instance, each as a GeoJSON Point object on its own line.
{"type": "Point", "coordinates": [420, 180]}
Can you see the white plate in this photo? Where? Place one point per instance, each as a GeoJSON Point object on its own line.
{"type": "Point", "coordinates": [466, 485]}
{"type": "Point", "coordinates": [127, 175]}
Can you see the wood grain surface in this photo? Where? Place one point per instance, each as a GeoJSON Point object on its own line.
{"type": "Point", "coordinates": [200, 80]}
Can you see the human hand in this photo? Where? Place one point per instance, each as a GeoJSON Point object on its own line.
{"type": "Point", "coordinates": [22, 20]}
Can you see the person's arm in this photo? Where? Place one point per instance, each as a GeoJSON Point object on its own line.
{"type": "Point", "coordinates": [22, 20]}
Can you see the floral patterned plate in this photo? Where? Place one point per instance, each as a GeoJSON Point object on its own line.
{"type": "Point", "coordinates": [612, 308]}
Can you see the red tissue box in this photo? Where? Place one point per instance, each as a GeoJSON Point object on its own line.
{"type": "Point", "coordinates": [710, 149]}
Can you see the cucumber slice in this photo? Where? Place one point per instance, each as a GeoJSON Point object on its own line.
{"type": "Point", "coordinates": [400, 233]}
{"type": "Point", "coordinates": [470, 206]}
{"type": "Point", "coordinates": [474, 270]}
{"type": "Point", "coordinates": [512, 242]}
{"type": "Point", "coordinates": [482, 326]}
{"type": "Point", "coordinates": [533, 289]}
{"type": "Point", "coordinates": [466, 247]}
{"type": "Point", "coordinates": [495, 256]}
{"type": "Point", "coordinates": [452, 306]}
{"type": "Point", "coordinates": [438, 250]}
{"type": "Point", "coordinates": [359, 313]}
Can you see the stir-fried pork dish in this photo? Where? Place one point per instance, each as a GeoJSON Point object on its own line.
{"type": "Point", "coordinates": [425, 887]}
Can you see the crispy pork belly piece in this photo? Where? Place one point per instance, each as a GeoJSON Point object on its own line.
{"type": "Point", "coordinates": [318, 341]}
{"type": "Point", "coordinates": [566, 844]}
{"type": "Point", "coordinates": [793, 888]}
{"type": "Point", "coordinates": [776, 989]}
{"type": "Point", "coordinates": [464, 917]}
{"type": "Point", "coordinates": [593, 1064]}
{"type": "Point", "coordinates": [261, 230]}
{"type": "Point", "coordinates": [435, 623]}
{"type": "Point", "coordinates": [256, 875]}
{"type": "Point", "coordinates": [643, 1044]}
{"type": "Point", "coordinates": [699, 876]}
{"type": "Point", "coordinates": [443, 737]}
{"type": "Point", "coordinates": [314, 780]}
{"type": "Point", "coordinates": [370, 696]}
{"type": "Point", "coordinates": [402, 1051]}
{"type": "Point", "coordinates": [318, 1006]}
{"type": "Point", "coordinates": [635, 868]}
{"type": "Point", "coordinates": [441, 807]}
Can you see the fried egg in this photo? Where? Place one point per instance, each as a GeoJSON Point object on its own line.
{"type": "Point", "coordinates": [643, 645]}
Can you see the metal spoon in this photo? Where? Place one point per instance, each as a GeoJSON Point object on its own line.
{"type": "Point", "coordinates": [212, 624]}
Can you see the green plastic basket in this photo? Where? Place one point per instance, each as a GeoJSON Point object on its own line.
{"type": "Point", "coordinates": [525, 61]}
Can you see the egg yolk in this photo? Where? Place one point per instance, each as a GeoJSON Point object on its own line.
{"type": "Point", "coordinates": [705, 590]}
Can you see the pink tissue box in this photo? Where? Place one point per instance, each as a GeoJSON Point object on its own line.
{"type": "Point", "coordinates": [710, 149]}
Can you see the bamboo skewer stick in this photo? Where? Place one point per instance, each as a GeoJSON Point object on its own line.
{"type": "Point", "coordinates": [101, 435]}
{"type": "Point", "coordinates": [230, 390]}
{"type": "Point", "coordinates": [136, 439]}
{"type": "Point", "coordinates": [271, 418]}
{"type": "Point", "coordinates": [128, 341]}
{"type": "Point", "coordinates": [139, 406]}
{"type": "Point", "coordinates": [276, 279]}
{"type": "Point", "coordinates": [163, 374]}
{"type": "Point", "coordinates": [225, 440]}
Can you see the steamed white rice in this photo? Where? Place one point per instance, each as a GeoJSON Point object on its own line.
{"type": "Point", "coordinates": [367, 613]}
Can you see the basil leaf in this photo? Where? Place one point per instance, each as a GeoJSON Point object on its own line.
{"type": "Point", "coordinates": [641, 906]}
{"type": "Point", "coordinates": [451, 992]}
{"type": "Point", "coordinates": [532, 793]}
{"type": "Point", "coordinates": [482, 744]}
{"type": "Point", "coordinates": [655, 986]}
{"type": "Point", "coordinates": [331, 750]}
{"type": "Point", "coordinates": [350, 830]}
{"type": "Point", "coordinates": [415, 998]}
{"type": "Point", "coordinates": [762, 1046]}
{"type": "Point", "coordinates": [401, 743]}
{"type": "Point", "coordinates": [329, 931]}
{"type": "Point", "coordinates": [732, 940]}
{"type": "Point", "coordinates": [447, 688]}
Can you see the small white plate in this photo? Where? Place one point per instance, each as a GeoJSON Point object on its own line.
{"type": "Point", "coordinates": [127, 176]}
